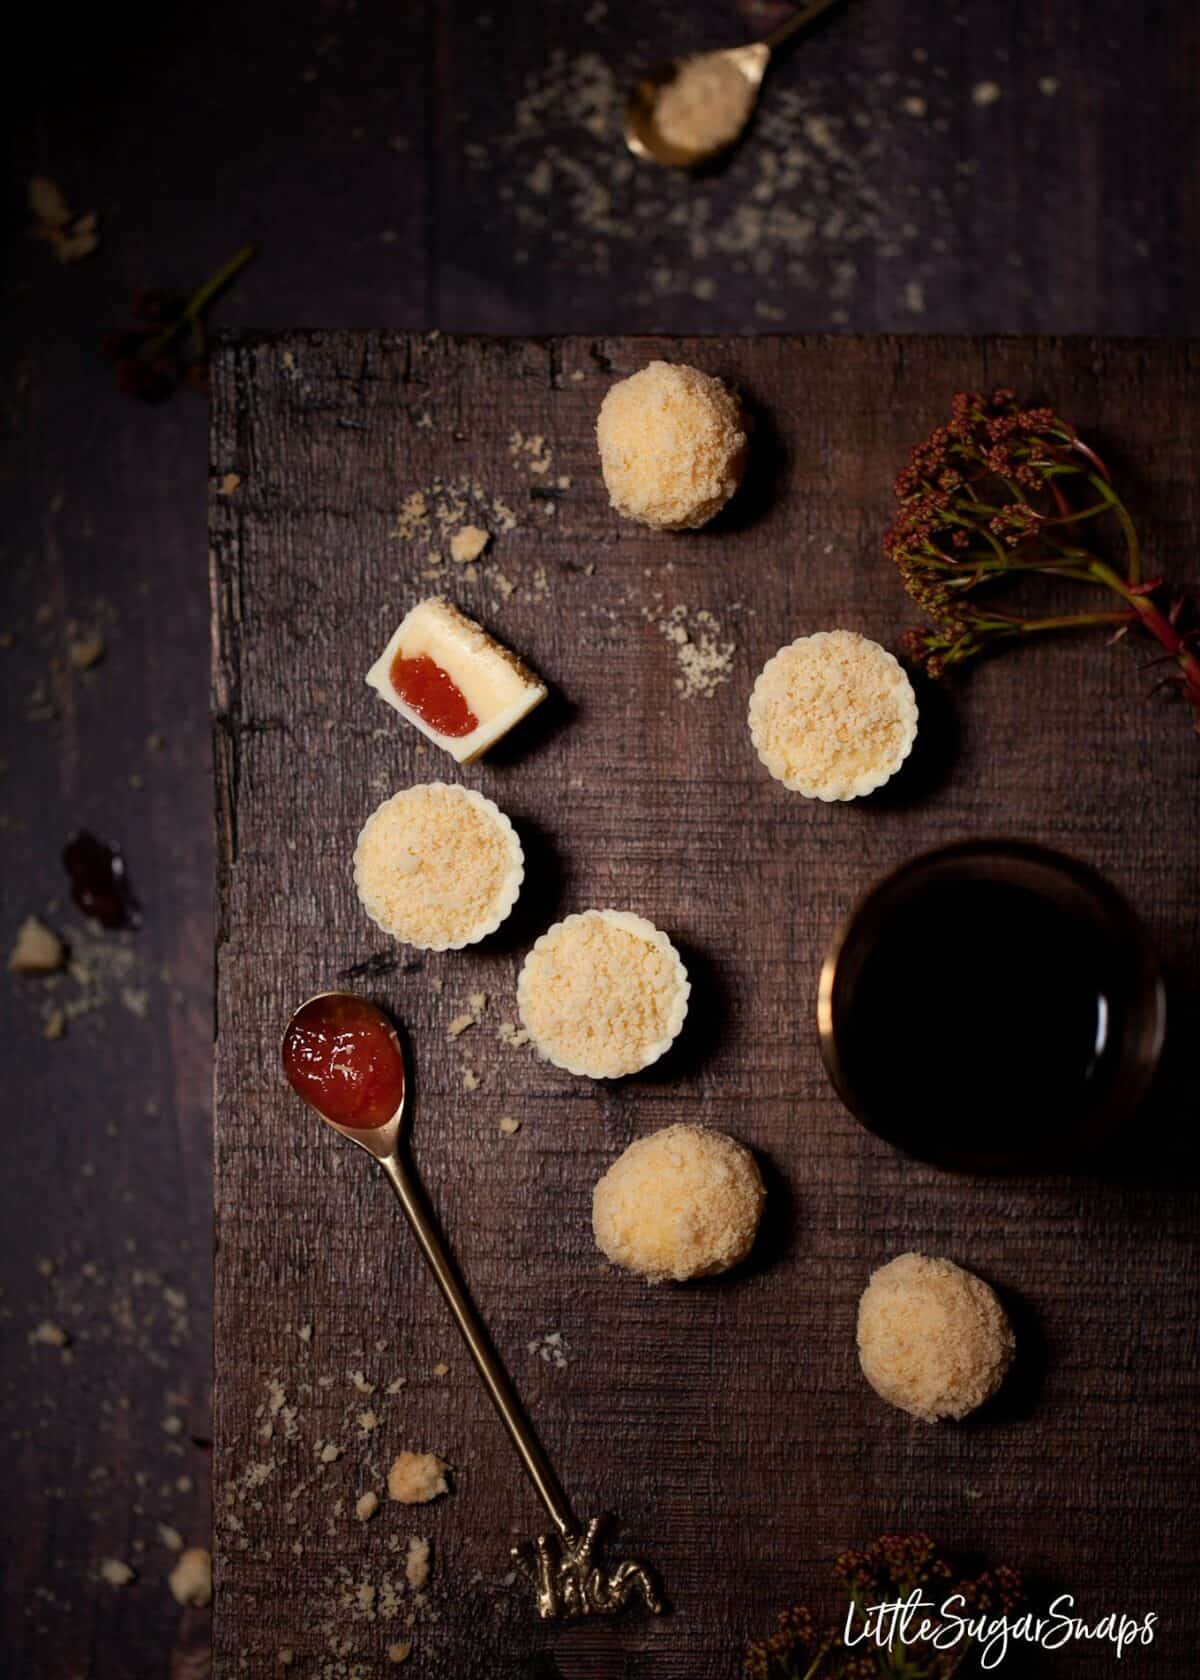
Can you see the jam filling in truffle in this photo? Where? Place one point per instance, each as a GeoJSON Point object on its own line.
{"type": "Point", "coordinates": [433, 695]}
{"type": "Point", "coordinates": [342, 1057]}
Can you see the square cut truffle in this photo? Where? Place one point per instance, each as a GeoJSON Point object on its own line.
{"type": "Point", "coordinates": [454, 682]}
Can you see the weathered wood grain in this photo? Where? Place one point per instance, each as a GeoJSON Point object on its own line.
{"type": "Point", "coordinates": [728, 1423]}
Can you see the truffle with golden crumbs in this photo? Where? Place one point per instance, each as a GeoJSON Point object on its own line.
{"type": "Point", "coordinates": [933, 1339]}
{"type": "Point", "coordinates": [683, 1203]}
{"type": "Point", "coordinates": [673, 446]}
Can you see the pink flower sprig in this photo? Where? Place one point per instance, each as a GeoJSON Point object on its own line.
{"type": "Point", "coordinates": [887, 1571]}
{"type": "Point", "coordinates": [1001, 492]}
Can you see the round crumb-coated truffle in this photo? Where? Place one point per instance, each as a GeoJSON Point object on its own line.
{"type": "Point", "coordinates": [672, 446]}
{"type": "Point", "coordinates": [932, 1338]}
{"type": "Point", "coordinates": [438, 866]}
{"type": "Point", "coordinates": [603, 994]}
{"type": "Point", "coordinates": [682, 1203]}
{"type": "Point", "coordinates": [833, 715]}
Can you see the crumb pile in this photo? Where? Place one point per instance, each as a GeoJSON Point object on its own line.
{"type": "Point", "coordinates": [833, 715]}
{"type": "Point", "coordinates": [672, 446]}
{"type": "Point", "coordinates": [603, 994]}
{"type": "Point", "coordinates": [932, 1338]}
{"type": "Point", "coordinates": [683, 1203]}
{"type": "Point", "coordinates": [705, 107]}
{"type": "Point", "coordinates": [438, 867]}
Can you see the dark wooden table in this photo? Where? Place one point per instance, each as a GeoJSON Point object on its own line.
{"type": "Point", "coordinates": [407, 168]}
{"type": "Point", "coordinates": [727, 1423]}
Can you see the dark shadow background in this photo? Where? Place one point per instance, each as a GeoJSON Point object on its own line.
{"type": "Point", "coordinates": [917, 166]}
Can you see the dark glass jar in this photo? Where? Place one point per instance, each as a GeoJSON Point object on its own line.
{"type": "Point", "coordinates": [992, 1006]}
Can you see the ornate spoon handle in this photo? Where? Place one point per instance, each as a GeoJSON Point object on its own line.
{"type": "Point", "coordinates": [487, 1361]}
{"type": "Point", "coordinates": [567, 1579]}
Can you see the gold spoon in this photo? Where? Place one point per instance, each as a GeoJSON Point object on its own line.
{"type": "Point", "coordinates": [333, 1029]}
{"type": "Point", "coordinates": [734, 74]}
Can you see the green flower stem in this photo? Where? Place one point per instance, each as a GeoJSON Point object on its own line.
{"type": "Point", "coordinates": [200, 300]}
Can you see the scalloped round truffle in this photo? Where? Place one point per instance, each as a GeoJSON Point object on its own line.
{"type": "Point", "coordinates": [438, 866]}
{"type": "Point", "coordinates": [833, 715]}
{"type": "Point", "coordinates": [682, 1203]}
{"type": "Point", "coordinates": [672, 446]}
{"type": "Point", "coordinates": [603, 993]}
{"type": "Point", "coordinates": [932, 1338]}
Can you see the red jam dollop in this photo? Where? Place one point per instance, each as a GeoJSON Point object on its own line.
{"type": "Point", "coordinates": [342, 1056]}
{"type": "Point", "coordinates": [434, 695]}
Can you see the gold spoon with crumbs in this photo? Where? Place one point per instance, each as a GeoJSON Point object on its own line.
{"type": "Point", "coordinates": [343, 1057]}
{"type": "Point", "coordinates": [690, 110]}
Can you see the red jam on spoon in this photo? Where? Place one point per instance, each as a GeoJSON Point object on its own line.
{"type": "Point", "coordinates": [341, 1055]}
{"type": "Point", "coordinates": [433, 695]}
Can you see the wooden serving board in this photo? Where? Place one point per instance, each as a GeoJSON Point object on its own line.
{"type": "Point", "coordinates": [727, 1423]}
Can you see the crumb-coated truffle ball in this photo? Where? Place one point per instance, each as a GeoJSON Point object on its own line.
{"type": "Point", "coordinates": [682, 1203]}
{"type": "Point", "coordinates": [933, 1339]}
{"type": "Point", "coordinates": [672, 446]}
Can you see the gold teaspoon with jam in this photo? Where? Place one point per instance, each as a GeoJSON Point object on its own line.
{"type": "Point", "coordinates": [343, 1057]}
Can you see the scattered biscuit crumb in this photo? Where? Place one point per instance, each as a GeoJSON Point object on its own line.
{"type": "Point", "coordinates": [329, 1453]}
{"type": "Point", "coordinates": [116, 1573]}
{"type": "Point", "coordinates": [470, 1080]}
{"type": "Point", "coordinates": [533, 452]}
{"type": "Point", "coordinates": [459, 1025]}
{"type": "Point", "coordinates": [400, 1652]}
{"type": "Point", "coordinates": [416, 1563]}
{"type": "Point", "coordinates": [85, 649]}
{"type": "Point", "coordinates": [704, 657]}
{"type": "Point", "coordinates": [367, 1421]}
{"type": "Point", "coordinates": [468, 543]}
{"type": "Point", "coordinates": [441, 1369]}
{"type": "Point", "coordinates": [49, 1335]}
{"type": "Point", "coordinates": [508, 1032]}
{"type": "Point", "coordinates": [170, 1537]}
{"type": "Point", "coordinates": [38, 950]}
{"type": "Point", "coordinates": [551, 1348]}
{"type": "Point", "coordinates": [508, 1126]}
{"type": "Point", "coordinates": [55, 1024]}
{"type": "Point", "coordinates": [986, 93]}
{"type": "Point", "coordinates": [191, 1579]}
{"type": "Point", "coordinates": [366, 1506]}
{"type": "Point", "coordinates": [229, 484]}
{"type": "Point", "coordinates": [72, 237]}
{"type": "Point", "coordinates": [361, 1382]}
{"type": "Point", "coordinates": [416, 1477]}
{"type": "Point", "coordinates": [305, 1333]}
